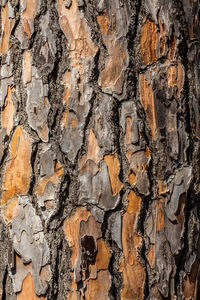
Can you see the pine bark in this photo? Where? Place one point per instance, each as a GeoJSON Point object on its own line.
{"type": "Point", "coordinates": [99, 149]}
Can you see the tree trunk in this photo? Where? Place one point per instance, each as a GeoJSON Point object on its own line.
{"type": "Point", "coordinates": [99, 149]}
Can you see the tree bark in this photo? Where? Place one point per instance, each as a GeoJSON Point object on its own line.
{"type": "Point", "coordinates": [99, 149]}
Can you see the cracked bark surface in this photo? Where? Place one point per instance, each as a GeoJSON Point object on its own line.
{"type": "Point", "coordinates": [99, 149]}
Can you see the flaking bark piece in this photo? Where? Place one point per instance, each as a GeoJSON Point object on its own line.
{"type": "Point", "coordinates": [130, 123]}
{"type": "Point", "coordinates": [29, 10]}
{"type": "Point", "coordinates": [95, 187]}
{"type": "Point", "coordinates": [37, 109]}
{"type": "Point", "coordinates": [45, 48]}
{"type": "Point", "coordinates": [116, 229]}
{"type": "Point", "coordinates": [104, 126]}
{"type": "Point", "coordinates": [177, 187]}
{"type": "Point", "coordinates": [113, 23]}
{"type": "Point", "coordinates": [164, 262]}
{"type": "Point", "coordinates": [30, 244]}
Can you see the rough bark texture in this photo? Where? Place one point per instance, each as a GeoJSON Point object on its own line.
{"type": "Point", "coordinates": [99, 149]}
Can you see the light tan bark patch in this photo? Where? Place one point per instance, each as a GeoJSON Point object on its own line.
{"type": "Point", "coordinates": [28, 291]}
{"type": "Point", "coordinates": [8, 112]}
{"type": "Point", "coordinates": [18, 170]}
{"type": "Point", "coordinates": [148, 42]}
{"type": "Point", "coordinates": [176, 76]}
{"type": "Point", "coordinates": [134, 203]}
{"type": "Point", "coordinates": [75, 29]}
{"type": "Point", "coordinates": [160, 216]}
{"type": "Point", "coordinates": [132, 178]}
{"type": "Point", "coordinates": [151, 255]}
{"type": "Point", "coordinates": [10, 210]}
{"type": "Point", "coordinates": [129, 122]}
{"type": "Point", "coordinates": [147, 99]}
{"type": "Point", "coordinates": [104, 23]}
{"type": "Point", "coordinates": [7, 25]}
{"type": "Point", "coordinates": [93, 148]}
{"type": "Point", "coordinates": [27, 67]}
{"type": "Point", "coordinates": [113, 165]}
{"type": "Point", "coordinates": [103, 255]}
{"type": "Point", "coordinates": [130, 266]}
{"type": "Point", "coordinates": [162, 189]}
{"type": "Point", "coordinates": [28, 16]}
{"type": "Point", "coordinates": [98, 289]}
